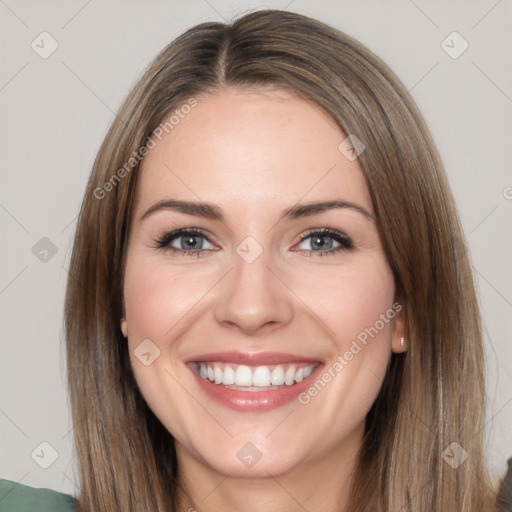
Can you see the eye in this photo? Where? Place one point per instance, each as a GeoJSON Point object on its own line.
{"type": "Point", "coordinates": [194, 242]}
{"type": "Point", "coordinates": [185, 241]}
{"type": "Point", "coordinates": [320, 242]}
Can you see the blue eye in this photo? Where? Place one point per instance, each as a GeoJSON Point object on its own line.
{"type": "Point", "coordinates": [185, 241]}
{"type": "Point", "coordinates": [193, 242]}
{"type": "Point", "coordinates": [325, 241]}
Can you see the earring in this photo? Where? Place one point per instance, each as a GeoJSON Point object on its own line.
{"type": "Point", "coordinates": [402, 341]}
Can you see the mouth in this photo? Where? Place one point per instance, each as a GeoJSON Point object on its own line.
{"type": "Point", "coordinates": [260, 378]}
{"type": "Point", "coordinates": [253, 382]}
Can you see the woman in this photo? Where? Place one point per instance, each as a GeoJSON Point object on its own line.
{"type": "Point", "coordinates": [270, 304]}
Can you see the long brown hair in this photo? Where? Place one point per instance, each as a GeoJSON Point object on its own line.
{"type": "Point", "coordinates": [431, 397]}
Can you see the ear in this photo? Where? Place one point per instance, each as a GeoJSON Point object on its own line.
{"type": "Point", "coordinates": [398, 330]}
{"type": "Point", "coordinates": [124, 323]}
{"type": "Point", "coordinates": [124, 327]}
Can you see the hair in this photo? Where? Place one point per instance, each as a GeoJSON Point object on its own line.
{"type": "Point", "coordinates": [431, 397]}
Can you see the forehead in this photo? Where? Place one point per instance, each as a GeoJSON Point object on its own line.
{"type": "Point", "coordinates": [253, 149]}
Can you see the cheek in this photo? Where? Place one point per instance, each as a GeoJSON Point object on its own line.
{"type": "Point", "coordinates": [352, 298]}
{"type": "Point", "coordinates": [156, 298]}
{"type": "Point", "coordinates": [347, 299]}
{"type": "Point", "coordinates": [353, 304]}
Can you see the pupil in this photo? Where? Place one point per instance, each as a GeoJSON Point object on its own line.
{"type": "Point", "coordinates": [191, 240]}
{"type": "Point", "coordinates": [319, 242]}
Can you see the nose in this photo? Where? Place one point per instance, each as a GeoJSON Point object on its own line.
{"type": "Point", "coordinates": [253, 297]}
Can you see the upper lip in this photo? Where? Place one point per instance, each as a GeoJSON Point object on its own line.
{"type": "Point", "coordinates": [251, 358]}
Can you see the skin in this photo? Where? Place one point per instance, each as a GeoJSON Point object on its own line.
{"type": "Point", "coordinates": [255, 153]}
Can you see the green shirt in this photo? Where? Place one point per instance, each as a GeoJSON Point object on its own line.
{"type": "Point", "coordinates": [16, 497]}
{"type": "Point", "coordinates": [22, 498]}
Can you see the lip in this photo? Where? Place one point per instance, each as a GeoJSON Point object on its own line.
{"type": "Point", "coordinates": [251, 358]}
{"type": "Point", "coordinates": [252, 401]}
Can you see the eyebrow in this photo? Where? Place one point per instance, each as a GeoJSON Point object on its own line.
{"type": "Point", "coordinates": [213, 212]}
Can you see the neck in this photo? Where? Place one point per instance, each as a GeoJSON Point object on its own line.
{"type": "Point", "coordinates": [318, 484]}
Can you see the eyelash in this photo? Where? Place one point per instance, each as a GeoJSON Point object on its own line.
{"type": "Point", "coordinates": [162, 242]}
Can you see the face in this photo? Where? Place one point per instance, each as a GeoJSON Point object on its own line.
{"type": "Point", "coordinates": [258, 299]}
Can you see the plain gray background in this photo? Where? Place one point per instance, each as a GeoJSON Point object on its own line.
{"type": "Point", "coordinates": [55, 112]}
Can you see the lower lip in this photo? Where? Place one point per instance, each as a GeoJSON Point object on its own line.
{"type": "Point", "coordinates": [253, 401]}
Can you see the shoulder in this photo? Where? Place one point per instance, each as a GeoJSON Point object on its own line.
{"type": "Point", "coordinates": [506, 490]}
{"type": "Point", "coordinates": [15, 497]}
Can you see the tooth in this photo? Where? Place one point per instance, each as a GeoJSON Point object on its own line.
{"type": "Point", "coordinates": [261, 376]}
{"type": "Point", "coordinates": [229, 376]}
{"type": "Point", "coordinates": [277, 377]}
{"type": "Point", "coordinates": [289, 378]}
{"type": "Point", "coordinates": [253, 389]}
{"type": "Point", "coordinates": [243, 376]}
{"type": "Point", "coordinates": [217, 373]}
{"type": "Point", "coordinates": [308, 370]}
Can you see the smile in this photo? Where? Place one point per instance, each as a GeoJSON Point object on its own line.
{"type": "Point", "coordinates": [260, 378]}
{"type": "Point", "coordinates": [253, 382]}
